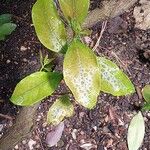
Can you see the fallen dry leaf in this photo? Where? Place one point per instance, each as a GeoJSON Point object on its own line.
{"type": "Point", "coordinates": [54, 136]}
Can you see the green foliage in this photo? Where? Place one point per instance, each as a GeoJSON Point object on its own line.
{"type": "Point", "coordinates": [5, 18]}
{"type": "Point", "coordinates": [49, 28]}
{"type": "Point", "coordinates": [136, 132]}
{"type": "Point", "coordinates": [6, 27]}
{"type": "Point", "coordinates": [61, 108]}
{"type": "Point", "coordinates": [75, 10]}
{"type": "Point", "coordinates": [35, 87]}
{"type": "Point", "coordinates": [84, 73]}
{"type": "Point", "coordinates": [114, 81]}
{"type": "Point", "coordinates": [146, 95]}
{"type": "Point", "coordinates": [81, 74]}
{"type": "Point", "coordinates": [46, 63]}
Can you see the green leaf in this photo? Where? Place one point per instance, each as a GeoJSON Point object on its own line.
{"type": "Point", "coordinates": [146, 93]}
{"type": "Point", "coordinates": [136, 132]}
{"type": "Point", "coordinates": [75, 9]}
{"type": "Point", "coordinates": [49, 28]}
{"type": "Point", "coordinates": [5, 18]}
{"type": "Point", "coordinates": [61, 108]}
{"type": "Point", "coordinates": [81, 74]}
{"type": "Point", "coordinates": [114, 81]}
{"type": "Point", "coordinates": [6, 29]}
{"type": "Point", "coordinates": [146, 107]}
{"type": "Point", "coordinates": [35, 87]}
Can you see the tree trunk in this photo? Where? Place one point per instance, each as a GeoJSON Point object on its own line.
{"type": "Point", "coordinates": [23, 126]}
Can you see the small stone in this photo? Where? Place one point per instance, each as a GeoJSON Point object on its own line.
{"type": "Point", "coordinates": [74, 134]}
{"type": "Point", "coordinates": [24, 142]}
{"type": "Point", "coordinates": [16, 63]}
{"type": "Point", "coordinates": [1, 127]}
{"type": "Point", "coordinates": [44, 124]}
{"type": "Point", "coordinates": [31, 143]}
{"type": "Point", "coordinates": [38, 120]}
{"type": "Point", "coordinates": [25, 60]}
{"type": "Point", "coordinates": [145, 119]}
{"type": "Point", "coordinates": [8, 61]}
{"type": "Point", "coordinates": [23, 48]}
{"type": "Point", "coordinates": [81, 114]}
{"type": "Point", "coordinates": [87, 39]}
{"type": "Point", "coordinates": [88, 146]}
{"type": "Point", "coordinates": [16, 147]}
{"type": "Point", "coordinates": [148, 114]}
{"type": "Point", "coordinates": [95, 128]}
{"type": "Point", "coordinates": [39, 116]}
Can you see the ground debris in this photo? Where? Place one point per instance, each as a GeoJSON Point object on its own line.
{"type": "Point", "coordinates": [142, 15]}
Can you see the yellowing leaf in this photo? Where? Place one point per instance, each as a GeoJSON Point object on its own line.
{"type": "Point", "coordinates": [146, 93]}
{"type": "Point", "coordinates": [114, 81]}
{"type": "Point", "coordinates": [136, 132]}
{"type": "Point", "coordinates": [81, 74]}
{"type": "Point", "coordinates": [35, 87]}
{"type": "Point", "coordinates": [61, 108]}
{"type": "Point", "coordinates": [49, 28]}
{"type": "Point", "coordinates": [75, 9]}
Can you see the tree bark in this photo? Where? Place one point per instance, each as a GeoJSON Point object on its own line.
{"type": "Point", "coordinates": [109, 9]}
{"type": "Point", "coordinates": [23, 126]}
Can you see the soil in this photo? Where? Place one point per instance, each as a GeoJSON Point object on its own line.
{"type": "Point", "coordinates": [103, 128]}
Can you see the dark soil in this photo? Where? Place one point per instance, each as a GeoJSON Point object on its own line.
{"type": "Point", "coordinates": [104, 127]}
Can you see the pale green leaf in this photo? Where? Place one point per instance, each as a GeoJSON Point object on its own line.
{"type": "Point", "coordinates": [136, 132]}
{"type": "Point", "coordinates": [114, 81]}
{"type": "Point", "coordinates": [61, 108]}
{"type": "Point", "coordinates": [146, 93]}
{"type": "Point", "coordinates": [75, 9]}
{"type": "Point", "coordinates": [35, 87]}
{"type": "Point", "coordinates": [5, 18]}
{"type": "Point", "coordinates": [49, 28]}
{"type": "Point", "coordinates": [81, 74]}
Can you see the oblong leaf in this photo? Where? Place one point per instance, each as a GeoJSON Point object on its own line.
{"type": "Point", "coordinates": [35, 87]}
{"type": "Point", "coordinates": [49, 28]}
{"type": "Point", "coordinates": [61, 108]}
{"type": "Point", "coordinates": [114, 81]}
{"type": "Point", "coordinates": [146, 93]}
{"type": "Point", "coordinates": [75, 9]}
{"type": "Point", "coordinates": [6, 29]}
{"type": "Point", "coordinates": [81, 74]}
{"type": "Point", "coordinates": [136, 132]}
{"type": "Point", "coordinates": [55, 135]}
{"type": "Point", "coordinates": [5, 18]}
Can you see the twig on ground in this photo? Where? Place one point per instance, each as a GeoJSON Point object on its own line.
{"type": "Point", "coordinates": [138, 90]}
{"type": "Point", "coordinates": [104, 24]}
{"type": "Point", "coordinates": [39, 138]}
{"type": "Point", "coordinates": [120, 62]}
{"type": "Point", "coordinates": [6, 117]}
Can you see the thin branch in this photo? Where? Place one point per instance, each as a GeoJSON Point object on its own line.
{"type": "Point", "coordinates": [121, 62]}
{"type": "Point", "coordinates": [6, 117]}
{"type": "Point", "coordinates": [104, 24]}
{"type": "Point", "coordinates": [39, 138]}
